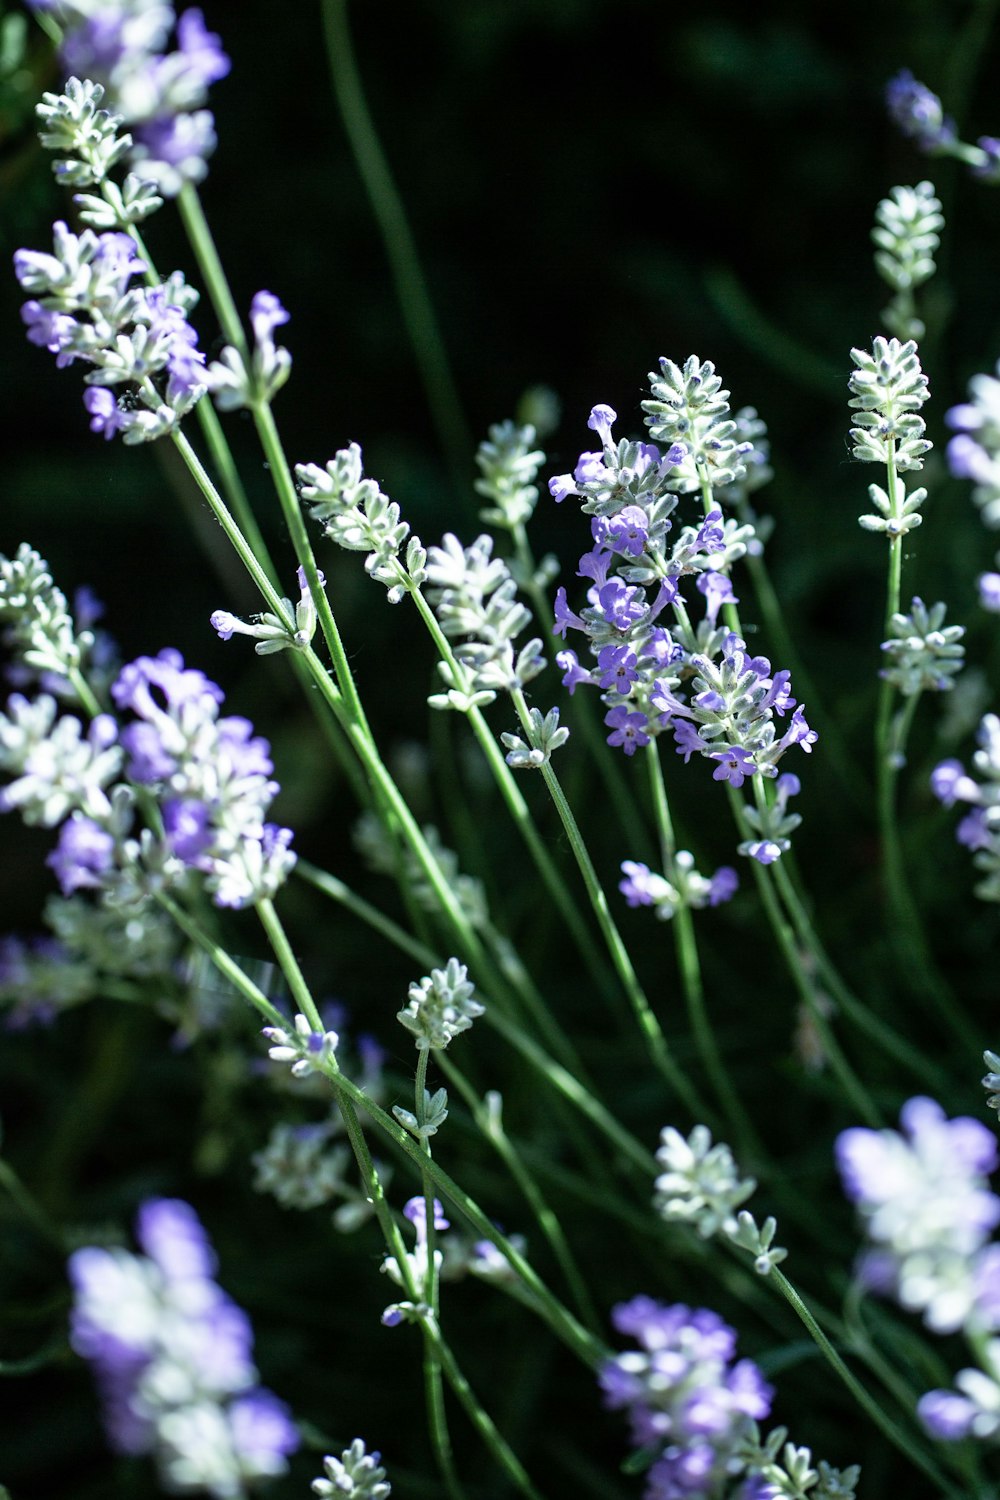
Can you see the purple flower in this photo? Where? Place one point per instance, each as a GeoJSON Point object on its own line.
{"type": "Point", "coordinates": [724, 885]}
{"type": "Point", "coordinates": [106, 417]}
{"type": "Point", "coordinates": [627, 729]}
{"type": "Point", "coordinates": [918, 113]}
{"type": "Point", "coordinates": [600, 421]}
{"type": "Point", "coordinates": [686, 1399]}
{"type": "Point", "coordinates": [618, 667]}
{"type": "Point", "coordinates": [989, 169]}
{"type": "Point", "coordinates": [989, 591]}
{"type": "Point", "coordinates": [968, 459]}
{"type": "Point", "coordinates": [946, 1415]}
{"type": "Point", "coordinates": [628, 531]}
{"type": "Point", "coordinates": [573, 674]}
{"type": "Point", "coordinates": [636, 887]}
{"type": "Point", "coordinates": [171, 1234]}
{"type": "Point", "coordinates": [84, 853]}
{"type": "Point", "coordinates": [950, 784]}
{"type": "Point", "coordinates": [263, 1433]}
{"type": "Point", "coordinates": [266, 314]}
{"type": "Point", "coordinates": [735, 765]}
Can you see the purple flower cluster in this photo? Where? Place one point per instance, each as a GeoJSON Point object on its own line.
{"type": "Point", "coordinates": [700, 681]}
{"type": "Point", "coordinates": [979, 830]}
{"type": "Point", "coordinates": [641, 887]}
{"type": "Point", "coordinates": [159, 91]}
{"type": "Point", "coordinates": [929, 1213]}
{"type": "Point", "coordinates": [690, 1403]}
{"type": "Point", "coordinates": [84, 307]}
{"type": "Point", "coordinates": [172, 1354]}
{"type": "Point", "coordinates": [210, 778]}
{"type": "Point", "coordinates": [974, 452]}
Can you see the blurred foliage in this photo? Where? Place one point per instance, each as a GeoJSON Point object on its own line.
{"type": "Point", "coordinates": [591, 184]}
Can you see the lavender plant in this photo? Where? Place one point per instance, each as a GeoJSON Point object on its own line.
{"type": "Point", "coordinates": [460, 1058]}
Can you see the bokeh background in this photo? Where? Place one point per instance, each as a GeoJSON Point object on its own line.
{"type": "Point", "coordinates": [590, 184]}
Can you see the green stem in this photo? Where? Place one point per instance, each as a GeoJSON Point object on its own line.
{"type": "Point", "coordinates": [764, 876]}
{"type": "Point", "coordinates": [29, 1207]}
{"type": "Point", "coordinates": [488, 1117]}
{"type": "Point", "coordinates": [688, 963]}
{"type": "Point", "coordinates": [885, 1424]}
{"type": "Point", "coordinates": [400, 248]}
{"type": "Point", "coordinates": [511, 794]}
{"type": "Point", "coordinates": [649, 1026]}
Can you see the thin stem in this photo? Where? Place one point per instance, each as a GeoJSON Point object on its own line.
{"type": "Point", "coordinates": [649, 1026]}
{"type": "Point", "coordinates": [511, 793]}
{"type": "Point", "coordinates": [686, 946]}
{"type": "Point", "coordinates": [899, 1439]}
{"type": "Point", "coordinates": [400, 248]}
{"type": "Point", "coordinates": [488, 1117]}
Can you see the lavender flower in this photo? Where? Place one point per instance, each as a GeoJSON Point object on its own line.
{"type": "Point", "coordinates": [292, 631]}
{"type": "Point", "coordinates": [211, 775]}
{"type": "Point", "coordinates": [159, 92]}
{"type": "Point", "coordinates": [172, 1357]}
{"type": "Point", "coordinates": [700, 1182]}
{"type": "Point", "coordinates": [888, 389]}
{"type": "Point", "coordinates": [974, 453]}
{"type": "Point", "coordinates": [232, 385]}
{"type": "Point", "coordinates": [979, 830]}
{"type": "Point", "coordinates": [83, 307]}
{"type": "Point", "coordinates": [906, 236]}
{"type": "Point", "coordinates": [685, 887]}
{"type": "Point", "coordinates": [308, 1051]}
{"type": "Point", "coordinates": [688, 1400]}
{"type": "Point", "coordinates": [918, 113]}
{"type": "Point", "coordinates": [928, 1213]}
{"type": "Point", "coordinates": [924, 653]}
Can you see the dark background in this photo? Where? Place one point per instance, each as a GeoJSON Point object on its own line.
{"type": "Point", "coordinates": [591, 184]}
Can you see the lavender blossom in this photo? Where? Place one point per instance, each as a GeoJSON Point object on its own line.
{"type": "Point", "coordinates": [159, 92]}
{"type": "Point", "coordinates": [928, 1212]}
{"type": "Point", "coordinates": [83, 307]}
{"type": "Point", "coordinates": [685, 887]}
{"type": "Point", "coordinates": [918, 113]}
{"type": "Point", "coordinates": [355, 1475]}
{"type": "Point", "coordinates": [979, 830]}
{"type": "Point", "coordinates": [440, 1006]}
{"type": "Point", "coordinates": [688, 1400]}
{"type": "Point", "coordinates": [172, 1358]}
{"type": "Point", "coordinates": [974, 452]}
{"type": "Point", "coordinates": [234, 386]}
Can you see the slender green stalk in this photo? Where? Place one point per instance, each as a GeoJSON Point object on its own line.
{"type": "Point", "coordinates": [899, 1439]}
{"type": "Point", "coordinates": [649, 1026]}
{"type": "Point", "coordinates": [487, 1116]}
{"type": "Point", "coordinates": [400, 248]}
{"type": "Point", "coordinates": [511, 794]}
{"type": "Point", "coordinates": [851, 1084]}
{"type": "Point", "coordinates": [192, 214]}
{"type": "Point", "coordinates": [688, 963]}
{"type": "Point", "coordinates": [437, 1417]}
{"type": "Point", "coordinates": [32, 1210]}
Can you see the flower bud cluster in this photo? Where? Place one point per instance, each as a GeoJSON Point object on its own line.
{"type": "Point", "coordinates": [172, 1354]}
{"type": "Point", "coordinates": [906, 236]}
{"type": "Point", "coordinates": [924, 654]}
{"type": "Point", "coordinates": [685, 888]}
{"type": "Point", "coordinates": [440, 1006]}
{"type": "Point", "coordinates": [475, 599]}
{"type": "Point", "coordinates": [690, 407]}
{"type": "Point", "coordinates": [355, 1475]}
{"type": "Point", "coordinates": [701, 1186]}
{"type": "Point", "coordinates": [158, 91]}
{"type": "Point", "coordinates": [979, 830]}
{"type": "Point", "coordinates": [83, 307]}
{"type": "Point", "coordinates": [234, 386]}
{"type": "Point", "coordinates": [358, 517]}
{"type": "Point", "coordinates": [36, 618]}
{"type": "Point", "coordinates": [307, 1050]}
{"type": "Point", "coordinates": [508, 464]}
{"type": "Point", "coordinates": [888, 388]}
